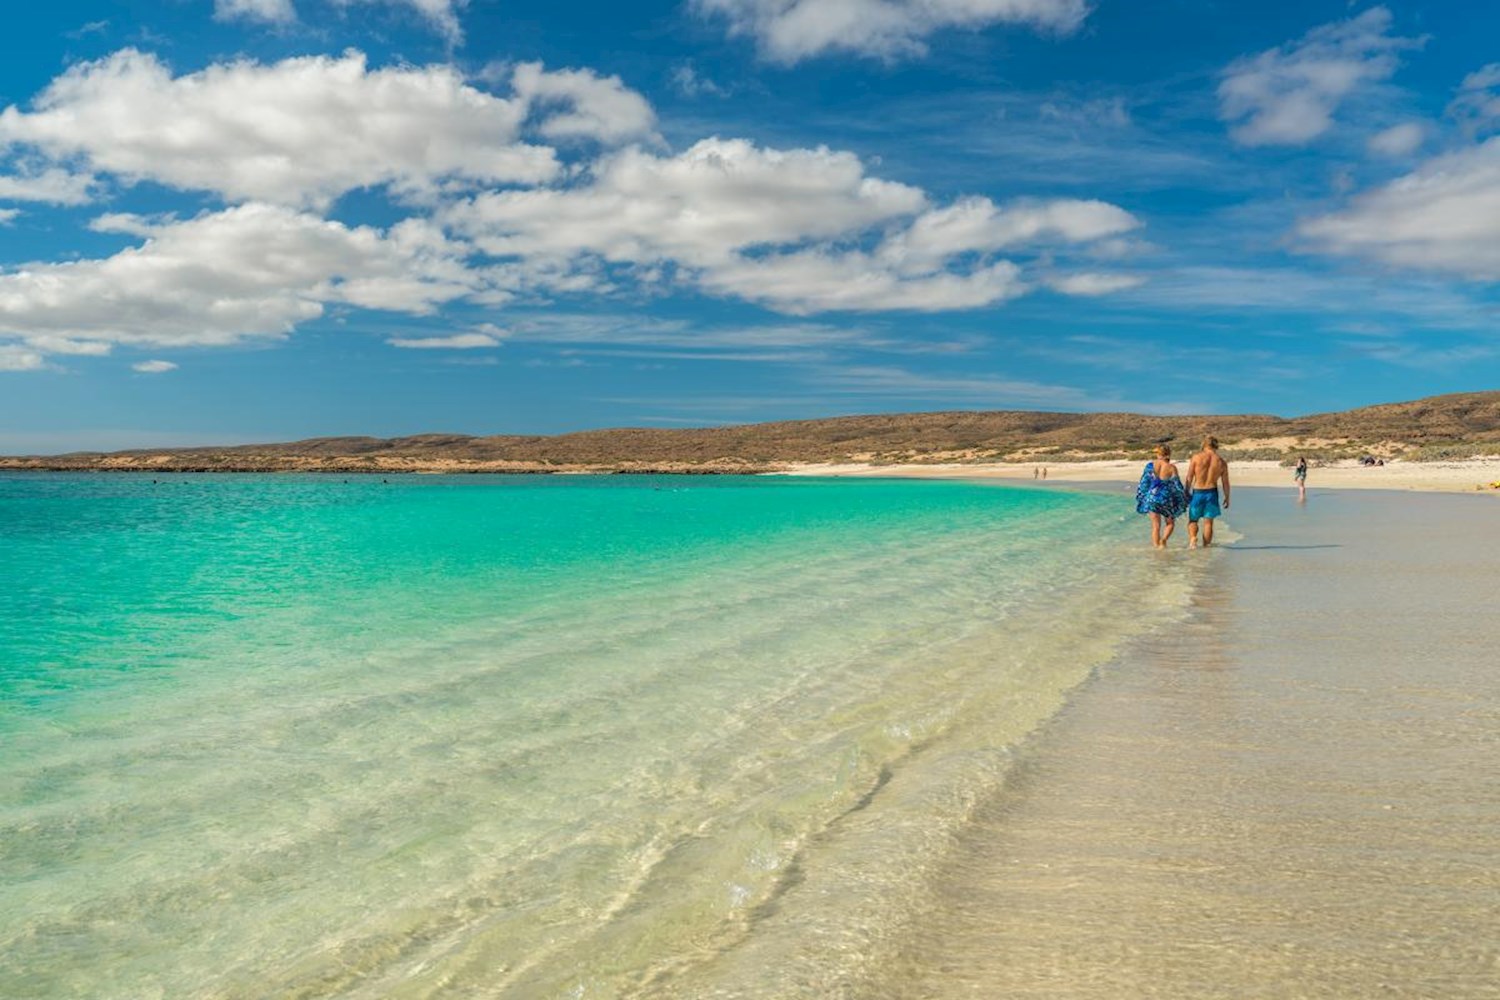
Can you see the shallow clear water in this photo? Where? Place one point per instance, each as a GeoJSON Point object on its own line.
{"type": "Point", "coordinates": [513, 736]}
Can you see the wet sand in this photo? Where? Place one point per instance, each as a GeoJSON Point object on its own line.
{"type": "Point", "coordinates": [1292, 794]}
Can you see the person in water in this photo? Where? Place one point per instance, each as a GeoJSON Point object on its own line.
{"type": "Point", "coordinates": [1161, 496]}
{"type": "Point", "coordinates": [1300, 475]}
{"type": "Point", "coordinates": [1206, 471]}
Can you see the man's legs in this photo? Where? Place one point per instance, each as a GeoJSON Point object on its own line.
{"type": "Point", "coordinates": [1204, 506]}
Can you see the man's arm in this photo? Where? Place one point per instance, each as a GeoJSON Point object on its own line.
{"type": "Point", "coordinates": [1187, 481]}
{"type": "Point", "coordinates": [1226, 485]}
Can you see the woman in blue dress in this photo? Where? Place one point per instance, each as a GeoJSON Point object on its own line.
{"type": "Point", "coordinates": [1161, 496]}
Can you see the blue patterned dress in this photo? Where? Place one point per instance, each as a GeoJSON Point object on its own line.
{"type": "Point", "coordinates": [1160, 496]}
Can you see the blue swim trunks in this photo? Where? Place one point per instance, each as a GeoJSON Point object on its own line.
{"type": "Point", "coordinates": [1205, 503]}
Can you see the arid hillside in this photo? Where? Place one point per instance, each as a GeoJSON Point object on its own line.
{"type": "Point", "coordinates": [1439, 427]}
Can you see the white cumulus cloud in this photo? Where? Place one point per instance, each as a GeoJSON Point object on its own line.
{"type": "Point", "coordinates": [580, 104]}
{"type": "Point", "coordinates": [798, 230]}
{"type": "Point", "coordinates": [153, 367]}
{"type": "Point", "coordinates": [8, 215]}
{"type": "Point", "coordinates": [441, 14]}
{"type": "Point", "coordinates": [978, 224]}
{"type": "Point", "coordinates": [454, 342]}
{"type": "Point", "coordinates": [54, 185]}
{"type": "Point", "coordinates": [251, 271]}
{"type": "Point", "coordinates": [1093, 283]}
{"type": "Point", "coordinates": [52, 344]}
{"type": "Point", "coordinates": [268, 11]}
{"type": "Point", "coordinates": [19, 358]}
{"type": "Point", "coordinates": [1444, 216]}
{"type": "Point", "coordinates": [1398, 140]}
{"type": "Point", "coordinates": [813, 281]}
{"type": "Point", "coordinates": [1477, 106]}
{"type": "Point", "coordinates": [690, 83]}
{"type": "Point", "coordinates": [1288, 95]}
{"type": "Point", "coordinates": [701, 206]}
{"type": "Point", "coordinates": [792, 30]}
{"type": "Point", "coordinates": [780, 227]}
{"type": "Point", "coordinates": [298, 132]}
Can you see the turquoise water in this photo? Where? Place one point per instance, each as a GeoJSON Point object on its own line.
{"type": "Point", "coordinates": [513, 736]}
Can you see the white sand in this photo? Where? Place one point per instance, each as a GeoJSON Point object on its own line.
{"type": "Point", "coordinates": [1462, 476]}
{"type": "Point", "coordinates": [1291, 794]}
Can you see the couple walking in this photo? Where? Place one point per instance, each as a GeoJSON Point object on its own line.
{"type": "Point", "coordinates": [1164, 495]}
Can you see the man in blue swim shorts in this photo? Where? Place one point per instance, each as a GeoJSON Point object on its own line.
{"type": "Point", "coordinates": [1204, 504]}
{"type": "Point", "coordinates": [1205, 473]}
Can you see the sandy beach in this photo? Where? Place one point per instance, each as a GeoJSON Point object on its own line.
{"type": "Point", "coordinates": [1291, 794]}
{"type": "Point", "coordinates": [1454, 477]}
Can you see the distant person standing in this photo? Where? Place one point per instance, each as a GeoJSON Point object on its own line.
{"type": "Point", "coordinates": [1160, 495]}
{"type": "Point", "coordinates": [1036, 473]}
{"type": "Point", "coordinates": [1044, 472]}
{"type": "Point", "coordinates": [1206, 471]}
{"type": "Point", "coordinates": [1301, 477]}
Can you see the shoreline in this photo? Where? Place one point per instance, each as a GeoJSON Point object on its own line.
{"type": "Point", "coordinates": [1459, 476]}
{"type": "Point", "coordinates": [1467, 476]}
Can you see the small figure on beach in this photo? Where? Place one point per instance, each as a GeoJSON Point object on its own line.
{"type": "Point", "coordinates": [1206, 471]}
{"type": "Point", "coordinates": [1161, 495]}
{"type": "Point", "coordinates": [1044, 472]}
{"type": "Point", "coordinates": [1300, 475]}
{"type": "Point", "coordinates": [1036, 473]}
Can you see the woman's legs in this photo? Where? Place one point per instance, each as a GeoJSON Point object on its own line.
{"type": "Point", "coordinates": [1155, 530]}
{"type": "Point", "coordinates": [1171, 525]}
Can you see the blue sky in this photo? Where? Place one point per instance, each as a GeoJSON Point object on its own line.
{"type": "Point", "coordinates": [241, 220]}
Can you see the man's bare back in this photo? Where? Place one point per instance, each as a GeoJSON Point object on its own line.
{"type": "Point", "coordinates": [1207, 474]}
{"type": "Point", "coordinates": [1206, 470]}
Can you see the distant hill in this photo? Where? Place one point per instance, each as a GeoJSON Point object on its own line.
{"type": "Point", "coordinates": [1438, 427]}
